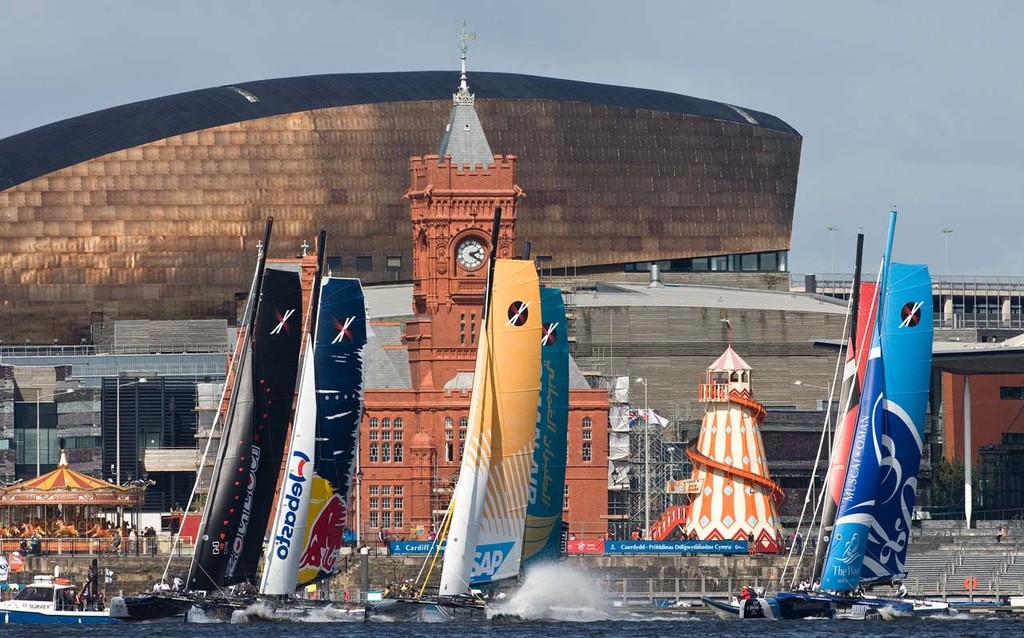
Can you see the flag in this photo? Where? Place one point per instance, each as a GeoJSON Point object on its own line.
{"type": "Point", "coordinates": [650, 416]}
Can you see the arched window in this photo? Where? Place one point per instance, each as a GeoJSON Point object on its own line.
{"type": "Point", "coordinates": [449, 452]}
{"type": "Point", "coordinates": [463, 421]}
{"type": "Point", "coordinates": [448, 422]}
{"type": "Point", "coordinates": [373, 422]}
{"type": "Point", "coordinates": [398, 423]}
{"type": "Point", "coordinates": [385, 422]}
{"type": "Point", "coordinates": [373, 453]}
{"type": "Point", "coordinates": [587, 422]}
{"type": "Point", "coordinates": [385, 453]}
{"type": "Point", "coordinates": [398, 452]}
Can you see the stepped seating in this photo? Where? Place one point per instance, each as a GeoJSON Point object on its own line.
{"type": "Point", "coordinates": [945, 554]}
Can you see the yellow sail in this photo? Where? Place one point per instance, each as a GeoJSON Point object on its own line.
{"type": "Point", "coordinates": [489, 510]}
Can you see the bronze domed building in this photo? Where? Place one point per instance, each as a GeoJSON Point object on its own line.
{"type": "Point", "coordinates": [152, 210]}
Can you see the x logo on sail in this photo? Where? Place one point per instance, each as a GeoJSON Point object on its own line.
{"type": "Point", "coordinates": [911, 314]}
{"type": "Point", "coordinates": [282, 322]}
{"type": "Point", "coordinates": [343, 331]}
{"type": "Point", "coordinates": [518, 313]}
{"type": "Point", "coordinates": [548, 338]}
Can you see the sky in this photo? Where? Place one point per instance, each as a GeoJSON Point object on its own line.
{"type": "Point", "coordinates": [912, 104]}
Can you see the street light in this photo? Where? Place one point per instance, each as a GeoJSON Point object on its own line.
{"type": "Point", "coordinates": [38, 446]}
{"type": "Point", "coordinates": [946, 232]}
{"type": "Point", "coordinates": [117, 428]}
{"type": "Point", "coordinates": [832, 231]}
{"type": "Point", "coordinates": [359, 490]}
{"type": "Point", "coordinates": [647, 461]}
{"type": "Point", "coordinates": [809, 385]}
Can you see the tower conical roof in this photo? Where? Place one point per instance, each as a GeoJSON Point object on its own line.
{"type": "Point", "coordinates": [729, 361]}
{"type": "Point", "coordinates": [464, 138]}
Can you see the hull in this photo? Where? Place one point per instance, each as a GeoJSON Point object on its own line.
{"type": "Point", "coordinates": [428, 609]}
{"type": "Point", "coordinates": [148, 607]}
{"type": "Point", "coordinates": [785, 606]}
{"type": "Point", "coordinates": [870, 607]}
{"type": "Point", "coordinates": [53, 617]}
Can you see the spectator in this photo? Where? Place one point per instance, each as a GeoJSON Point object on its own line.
{"type": "Point", "coordinates": [1000, 534]}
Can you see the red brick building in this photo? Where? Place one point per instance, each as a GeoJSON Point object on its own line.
{"type": "Point", "coordinates": [414, 426]}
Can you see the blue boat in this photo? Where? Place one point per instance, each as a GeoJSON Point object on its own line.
{"type": "Point", "coordinates": [51, 601]}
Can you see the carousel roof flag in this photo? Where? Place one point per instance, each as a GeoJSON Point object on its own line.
{"type": "Point", "coordinates": [65, 486]}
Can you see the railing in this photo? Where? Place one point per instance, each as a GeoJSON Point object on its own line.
{"type": "Point", "coordinates": [153, 546]}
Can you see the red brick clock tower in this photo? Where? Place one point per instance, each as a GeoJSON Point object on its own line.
{"type": "Point", "coordinates": [453, 196]}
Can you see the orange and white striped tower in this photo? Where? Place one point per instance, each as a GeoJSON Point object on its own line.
{"type": "Point", "coordinates": [736, 495]}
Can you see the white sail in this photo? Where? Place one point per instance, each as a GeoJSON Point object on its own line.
{"type": "Point", "coordinates": [289, 529]}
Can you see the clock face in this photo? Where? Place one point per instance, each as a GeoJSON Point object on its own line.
{"type": "Point", "coordinates": [470, 254]}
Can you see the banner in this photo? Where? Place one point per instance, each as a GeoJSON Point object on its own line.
{"type": "Point", "coordinates": [585, 547]}
{"type": "Point", "coordinates": [4, 569]}
{"type": "Point", "coordinates": [676, 547]}
{"type": "Point", "coordinates": [683, 486]}
{"type": "Point", "coordinates": [412, 548]}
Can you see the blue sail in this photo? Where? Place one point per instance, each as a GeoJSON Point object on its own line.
{"type": "Point", "coordinates": [542, 538]}
{"type": "Point", "coordinates": [872, 529]}
{"type": "Point", "coordinates": [340, 339]}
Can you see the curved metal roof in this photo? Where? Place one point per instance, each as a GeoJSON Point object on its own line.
{"type": "Point", "coordinates": [42, 150]}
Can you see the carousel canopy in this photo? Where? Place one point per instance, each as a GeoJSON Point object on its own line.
{"type": "Point", "coordinates": [65, 486]}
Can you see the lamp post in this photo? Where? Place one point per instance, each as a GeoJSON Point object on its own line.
{"type": "Point", "coordinates": [38, 432]}
{"type": "Point", "coordinates": [117, 428]}
{"type": "Point", "coordinates": [946, 232]}
{"type": "Point", "coordinates": [832, 231]}
{"type": "Point", "coordinates": [647, 462]}
{"type": "Point", "coordinates": [359, 490]}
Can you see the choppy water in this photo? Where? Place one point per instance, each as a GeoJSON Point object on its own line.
{"type": "Point", "coordinates": [960, 627]}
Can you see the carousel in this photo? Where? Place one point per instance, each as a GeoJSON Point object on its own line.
{"type": "Point", "coordinates": [64, 511]}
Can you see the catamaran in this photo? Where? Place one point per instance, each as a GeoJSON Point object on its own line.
{"type": "Point", "coordinates": [312, 507]}
{"type": "Point", "coordinates": [249, 460]}
{"type": "Point", "coordinates": [875, 464]}
{"type": "Point", "coordinates": [483, 527]}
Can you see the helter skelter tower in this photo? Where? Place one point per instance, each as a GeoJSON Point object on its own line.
{"type": "Point", "coordinates": [736, 495]}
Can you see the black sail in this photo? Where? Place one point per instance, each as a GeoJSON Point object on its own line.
{"type": "Point", "coordinates": [242, 490]}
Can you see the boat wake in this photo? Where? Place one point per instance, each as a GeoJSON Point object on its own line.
{"type": "Point", "coordinates": [303, 613]}
{"type": "Point", "coordinates": [553, 592]}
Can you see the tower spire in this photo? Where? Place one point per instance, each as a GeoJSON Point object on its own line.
{"type": "Point", "coordinates": [464, 39]}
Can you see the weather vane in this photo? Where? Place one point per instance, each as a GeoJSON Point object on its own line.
{"type": "Point", "coordinates": [464, 38]}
